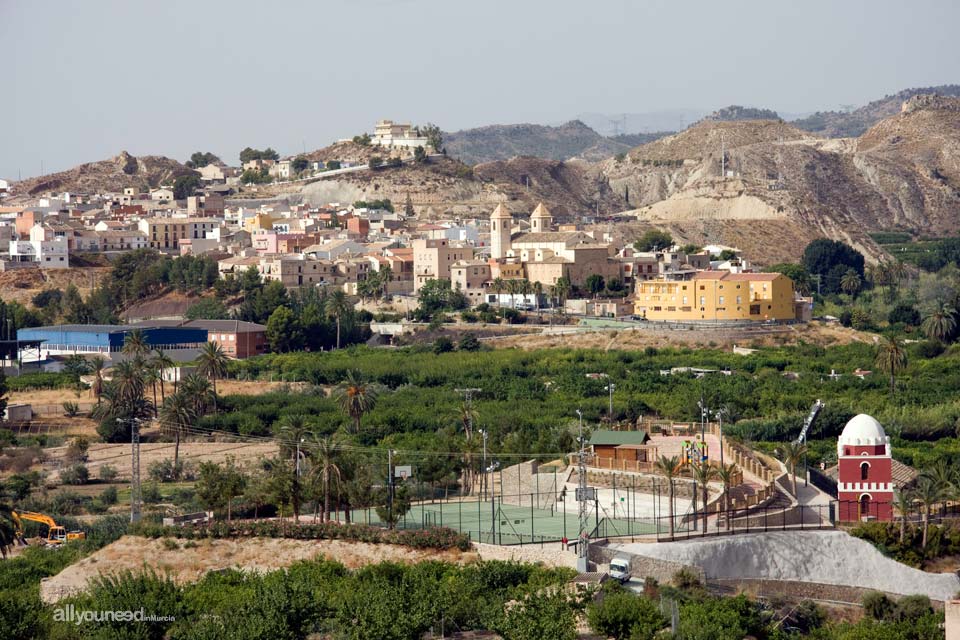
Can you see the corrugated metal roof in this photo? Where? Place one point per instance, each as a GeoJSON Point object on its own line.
{"type": "Point", "coordinates": [617, 438]}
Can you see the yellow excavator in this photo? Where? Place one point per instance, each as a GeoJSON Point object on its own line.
{"type": "Point", "coordinates": [56, 535]}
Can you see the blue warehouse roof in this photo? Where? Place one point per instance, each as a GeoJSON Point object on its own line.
{"type": "Point", "coordinates": [110, 334]}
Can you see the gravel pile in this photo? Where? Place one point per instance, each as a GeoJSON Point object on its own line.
{"type": "Point", "coordinates": [826, 557]}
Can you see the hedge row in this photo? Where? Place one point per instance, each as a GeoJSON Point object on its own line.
{"type": "Point", "coordinates": [430, 538]}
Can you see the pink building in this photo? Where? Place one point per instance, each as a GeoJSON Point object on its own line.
{"type": "Point", "coordinates": [865, 471]}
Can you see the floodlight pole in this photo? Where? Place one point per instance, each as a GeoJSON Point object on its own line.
{"type": "Point", "coordinates": [611, 387]}
{"type": "Point", "coordinates": [493, 503]}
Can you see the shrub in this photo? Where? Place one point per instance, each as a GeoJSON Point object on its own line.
{"type": "Point", "coordinates": [686, 578]}
{"type": "Point", "coordinates": [878, 606]}
{"type": "Point", "coordinates": [165, 471]}
{"type": "Point", "coordinates": [107, 473]}
{"type": "Point", "coordinates": [71, 409]}
{"type": "Point", "coordinates": [109, 496]}
{"type": "Point", "coordinates": [151, 493]}
{"type": "Point", "coordinates": [912, 608]}
{"type": "Point", "coordinates": [75, 475]}
{"type": "Point", "coordinates": [77, 449]}
{"type": "Point", "coordinates": [625, 616]}
{"type": "Point", "coordinates": [430, 538]}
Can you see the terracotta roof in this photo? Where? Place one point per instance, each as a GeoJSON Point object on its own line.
{"type": "Point", "coordinates": [541, 212]}
{"type": "Point", "coordinates": [754, 276]}
{"type": "Point", "coordinates": [548, 236]}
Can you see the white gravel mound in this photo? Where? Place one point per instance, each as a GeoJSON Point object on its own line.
{"type": "Point", "coordinates": [827, 557]}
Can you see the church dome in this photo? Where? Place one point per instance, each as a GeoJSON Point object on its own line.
{"type": "Point", "coordinates": [863, 430]}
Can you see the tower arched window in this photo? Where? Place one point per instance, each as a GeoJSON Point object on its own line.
{"type": "Point", "coordinates": [864, 470]}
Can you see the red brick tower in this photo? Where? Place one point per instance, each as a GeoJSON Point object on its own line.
{"type": "Point", "coordinates": [865, 473]}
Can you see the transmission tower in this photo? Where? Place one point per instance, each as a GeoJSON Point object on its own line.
{"type": "Point", "coordinates": [136, 496]}
{"type": "Point", "coordinates": [583, 497]}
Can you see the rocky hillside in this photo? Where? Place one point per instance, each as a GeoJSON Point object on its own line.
{"type": "Point", "coordinates": [736, 112]}
{"type": "Point", "coordinates": [845, 124]}
{"type": "Point", "coordinates": [785, 187]}
{"type": "Point", "coordinates": [501, 142]}
{"type": "Point", "coordinates": [114, 174]}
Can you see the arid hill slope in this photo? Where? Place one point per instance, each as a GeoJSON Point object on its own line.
{"type": "Point", "coordinates": [113, 175]}
{"type": "Point", "coordinates": [785, 187]}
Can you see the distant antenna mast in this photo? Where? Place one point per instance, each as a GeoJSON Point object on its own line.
{"type": "Point", "coordinates": [723, 158]}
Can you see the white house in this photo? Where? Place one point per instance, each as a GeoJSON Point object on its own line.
{"type": "Point", "coordinates": [48, 254]}
{"type": "Point", "coordinates": [162, 194]}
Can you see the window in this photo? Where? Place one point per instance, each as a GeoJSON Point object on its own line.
{"type": "Point", "coordinates": [864, 470]}
{"type": "Point", "coordinates": [739, 299]}
{"type": "Point", "coordinates": [703, 301]}
{"type": "Point", "coordinates": [721, 299]}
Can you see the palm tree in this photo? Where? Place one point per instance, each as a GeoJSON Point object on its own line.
{"type": "Point", "coordinates": [498, 285]}
{"type": "Point", "coordinates": [177, 413]}
{"type": "Point", "coordinates": [850, 282]}
{"type": "Point", "coordinates": [324, 467]}
{"type": "Point", "coordinates": [294, 428]}
{"type": "Point", "coordinates": [97, 366]}
{"type": "Point", "coordinates": [902, 499]}
{"type": "Point", "coordinates": [513, 288]}
{"type": "Point", "coordinates": [526, 288]}
{"type": "Point", "coordinates": [940, 323]}
{"type": "Point", "coordinates": [703, 473]}
{"type": "Point", "coordinates": [212, 363]}
{"type": "Point", "coordinates": [135, 343]}
{"type": "Point", "coordinates": [946, 477]}
{"type": "Point", "coordinates": [791, 453]}
{"type": "Point", "coordinates": [726, 474]}
{"type": "Point", "coordinates": [928, 492]}
{"type": "Point", "coordinates": [200, 392]}
{"type": "Point", "coordinates": [562, 289]}
{"type": "Point", "coordinates": [891, 359]}
{"type": "Point", "coordinates": [337, 306]}
{"type": "Point", "coordinates": [669, 468]}
{"type": "Point", "coordinates": [538, 291]}
{"type": "Point", "coordinates": [150, 377]}
{"type": "Point", "coordinates": [161, 362]}
{"type": "Point", "coordinates": [356, 398]}
{"type": "Point", "coordinates": [385, 275]}
{"type": "Point", "coordinates": [128, 382]}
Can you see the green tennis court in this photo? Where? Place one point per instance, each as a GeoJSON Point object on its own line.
{"type": "Point", "coordinates": [515, 524]}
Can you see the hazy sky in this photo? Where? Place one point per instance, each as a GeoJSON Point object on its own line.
{"type": "Point", "coordinates": [83, 80]}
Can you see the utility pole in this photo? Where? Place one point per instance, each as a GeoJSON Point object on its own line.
{"type": "Point", "coordinates": [723, 158]}
{"type": "Point", "coordinates": [583, 546]}
{"type": "Point", "coordinates": [390, 486]}
{"type": "Point", "coordinates": [468, 401]}
{"type": "Point", "coordinates": [136, 496]}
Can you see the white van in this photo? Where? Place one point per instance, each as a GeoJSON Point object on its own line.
{"type": "Point", "coordinates": [620, 570]}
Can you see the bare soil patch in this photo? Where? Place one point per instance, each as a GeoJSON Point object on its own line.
{"type": "Point", "coordinates": [639, 338]}
{"type": "Point", "coordinates": [189, 563]}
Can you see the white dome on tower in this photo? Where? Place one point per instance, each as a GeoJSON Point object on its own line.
{"type": "Point", "coordinates": [863, 430]}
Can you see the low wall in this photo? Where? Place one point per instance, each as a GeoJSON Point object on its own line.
{"type": "Point", "coordinates": [642, 566]}
{"type": "Point", "coordinates": [759, 587]}
{"type": "Point", "coordinates": [552, 555]}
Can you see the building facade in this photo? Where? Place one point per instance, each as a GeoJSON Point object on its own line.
{"type": "Point", "coordinates": [865, 472]}
{"type": "Point", "coordinates": [717, 296]}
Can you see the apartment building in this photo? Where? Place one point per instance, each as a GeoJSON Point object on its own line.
{"type": "Point", "coordinates": [718, 296]}
{"type": "Point", "coordinates": [166, 233]}
{"type": "Point", "coordinates": [432, 260]}
{"type": "Point", "coordinates": [296, 270]}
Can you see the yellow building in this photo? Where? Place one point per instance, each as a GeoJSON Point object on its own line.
{"type": "Point", "coordinates": [260, 221]}
{"type": "Point", "coordinates": [717, 295]}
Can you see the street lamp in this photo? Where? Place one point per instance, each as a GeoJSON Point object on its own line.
{"type": "Point", "coordinates": [611, 387]}
{"type": "Point", "coordinates": [719, 415]}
